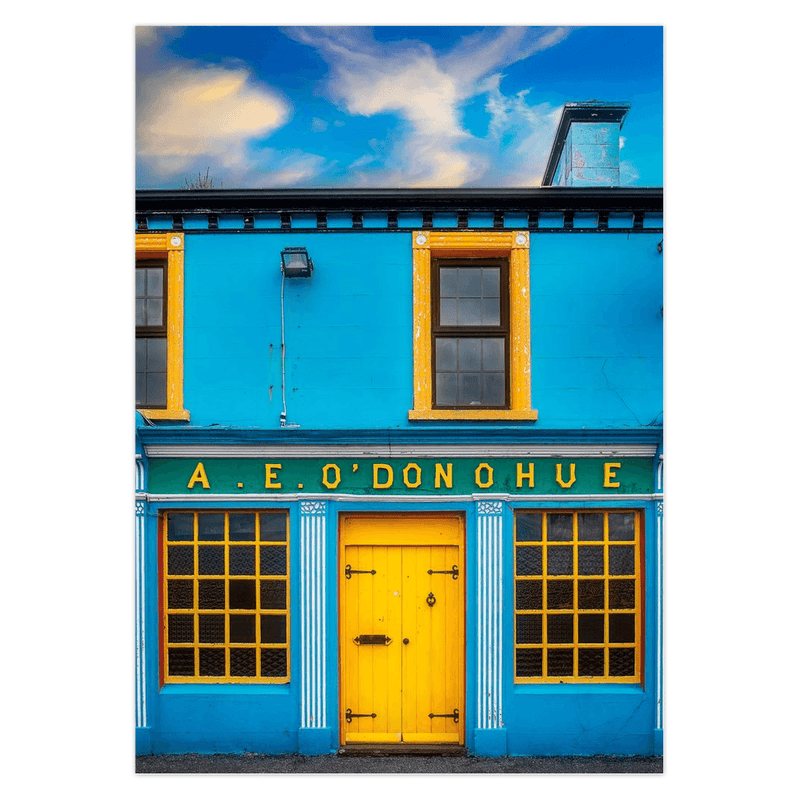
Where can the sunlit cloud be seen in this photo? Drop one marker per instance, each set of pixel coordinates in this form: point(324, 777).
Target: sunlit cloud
point(428, 91)
point(212, 112)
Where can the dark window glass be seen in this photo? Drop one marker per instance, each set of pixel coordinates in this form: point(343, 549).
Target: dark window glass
point(529, 527)
point(529, 595)
point(273, 527)
point(591, 594)
point(621, 559)
point(243, 628)
point(180, 594)
point(590, 560)
point(180, 560)
point(180, 527)
point(559, 662)
point(242, 594)
point(243, 662)
point(180, 628)
point(273, 663)
point(470, 371)
point(212, 662)
point(469, 296)
point(211, 594)
point(559, 560)
point(529, 560)
point(273, 594)
point(622, 628)
point(591, 628)
point(529, 663)
point(621, 527)
point(273, 629)
point(211, 527)
point(242, 560)
point(559, 527)
point(591, 662)
point(151, 372)
point(559, 628)
point(622, 594)
point(211, 560)
point(590, 527)
point(242, 527)
point(180, 661)
point(529, 629)
point(273, 560)
point(559, 594)
point(212, 629)
point(621, 661)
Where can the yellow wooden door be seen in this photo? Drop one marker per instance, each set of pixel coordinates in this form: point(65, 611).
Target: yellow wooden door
point(402, 629)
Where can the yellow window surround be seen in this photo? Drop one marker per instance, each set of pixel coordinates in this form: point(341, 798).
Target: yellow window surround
point(159, 245)
point(514, 245)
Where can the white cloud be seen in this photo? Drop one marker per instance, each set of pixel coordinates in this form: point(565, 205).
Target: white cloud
point(428, 92)
point(318, 125)
point(213, 113)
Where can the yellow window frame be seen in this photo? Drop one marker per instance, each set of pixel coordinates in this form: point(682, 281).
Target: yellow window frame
point(514, 245)
point(226, 612)
point(573, 613)
point(169, 246)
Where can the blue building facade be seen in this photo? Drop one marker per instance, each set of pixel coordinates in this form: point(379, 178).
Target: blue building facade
point(469, 376)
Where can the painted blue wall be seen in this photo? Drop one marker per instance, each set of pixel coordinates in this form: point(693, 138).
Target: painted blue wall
point(596, 330)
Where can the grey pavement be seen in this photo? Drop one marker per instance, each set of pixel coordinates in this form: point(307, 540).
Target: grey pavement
point(388, 765)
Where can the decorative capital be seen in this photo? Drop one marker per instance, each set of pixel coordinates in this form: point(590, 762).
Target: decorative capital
point(139, 508)
point(660, 509)
point(313, 507)
point(490, 507)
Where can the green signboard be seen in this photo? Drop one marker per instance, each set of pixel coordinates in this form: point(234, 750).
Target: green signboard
point(430, 476)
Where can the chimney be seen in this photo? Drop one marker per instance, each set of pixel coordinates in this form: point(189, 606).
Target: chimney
point(586, 148)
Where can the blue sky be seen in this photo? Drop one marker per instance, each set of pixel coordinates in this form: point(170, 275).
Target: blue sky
point(384, 106)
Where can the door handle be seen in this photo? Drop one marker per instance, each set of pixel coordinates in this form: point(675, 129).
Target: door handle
point(405, 641)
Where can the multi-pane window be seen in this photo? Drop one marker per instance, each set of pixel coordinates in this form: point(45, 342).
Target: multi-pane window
point(470, 333)
point(577, 596)
point(226, 590)
point(151, 334)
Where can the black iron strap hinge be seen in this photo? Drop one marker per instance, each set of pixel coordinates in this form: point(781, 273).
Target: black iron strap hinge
point(453, 716)
point(348, 571)
point(453, 572)
point(348, 715)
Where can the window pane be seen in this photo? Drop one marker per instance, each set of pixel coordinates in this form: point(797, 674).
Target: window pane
point(621, 559)
point(469, 354)
point(591, 661)
point(591, 628)
point(180, 560)
point(469, 389)
point(559, 527)
point(469, 311)
point(140, 282)
point(273, 594)
point(273, 629)
point(559, 662)
point(180, 527)
point(491, 281)
point(622, 628)
point(591, 594)
point(242, 527)
point(242, 560)
point(243, 628)
point(529, 528)
point(180, 594)
point(529, 560)
point(141, 389)
point(494, 388)
point(141, 313)
point(273, 663)
point(155, 312)
point(621, 527)
point(212, 629)
point(273, 560)
point(446, 354)
point(559, 560)
point(446, 388)
point(156, 389)
point(243, 662)
point(212, 662)
point(211, 594)
point(180, 661)
point(448, 311)
point(210, 560)
point(590, 560)
point(559, 628)
point(590, 527)
point(529, 595)
point(529, 663)
point(490, 311)
point(494, 354)
point(155, 282)
point(621, 661)
point(180, 628)
point(242, 594)
point(469, 282)
point(559, 594)
point(211, 527)
point(273, 527)
point(529, 629)
point(448, 282)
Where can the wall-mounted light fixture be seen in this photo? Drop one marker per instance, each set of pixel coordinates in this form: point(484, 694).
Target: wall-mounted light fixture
point(296, 263)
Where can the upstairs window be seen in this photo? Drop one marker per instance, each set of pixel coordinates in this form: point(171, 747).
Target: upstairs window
point(471, 327)
point(470, 333)
point(151, 334)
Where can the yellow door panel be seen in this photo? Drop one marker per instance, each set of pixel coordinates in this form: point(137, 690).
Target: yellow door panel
point(402, 628)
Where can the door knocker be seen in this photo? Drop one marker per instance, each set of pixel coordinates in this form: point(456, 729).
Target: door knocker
point(430, 599)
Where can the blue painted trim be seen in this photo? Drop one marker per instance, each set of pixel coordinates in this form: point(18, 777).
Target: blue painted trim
point(315, 741)
point(196, 689)
point(491, 742)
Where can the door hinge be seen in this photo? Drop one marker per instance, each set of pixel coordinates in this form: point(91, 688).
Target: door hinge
point(348, 571)
point(348, 715)
point(453, 716)
point(453, 572)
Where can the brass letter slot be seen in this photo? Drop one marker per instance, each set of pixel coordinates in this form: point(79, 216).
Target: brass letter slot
point(372, 638)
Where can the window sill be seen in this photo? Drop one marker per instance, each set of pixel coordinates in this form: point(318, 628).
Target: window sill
point(165, 413)
point(469, 413)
